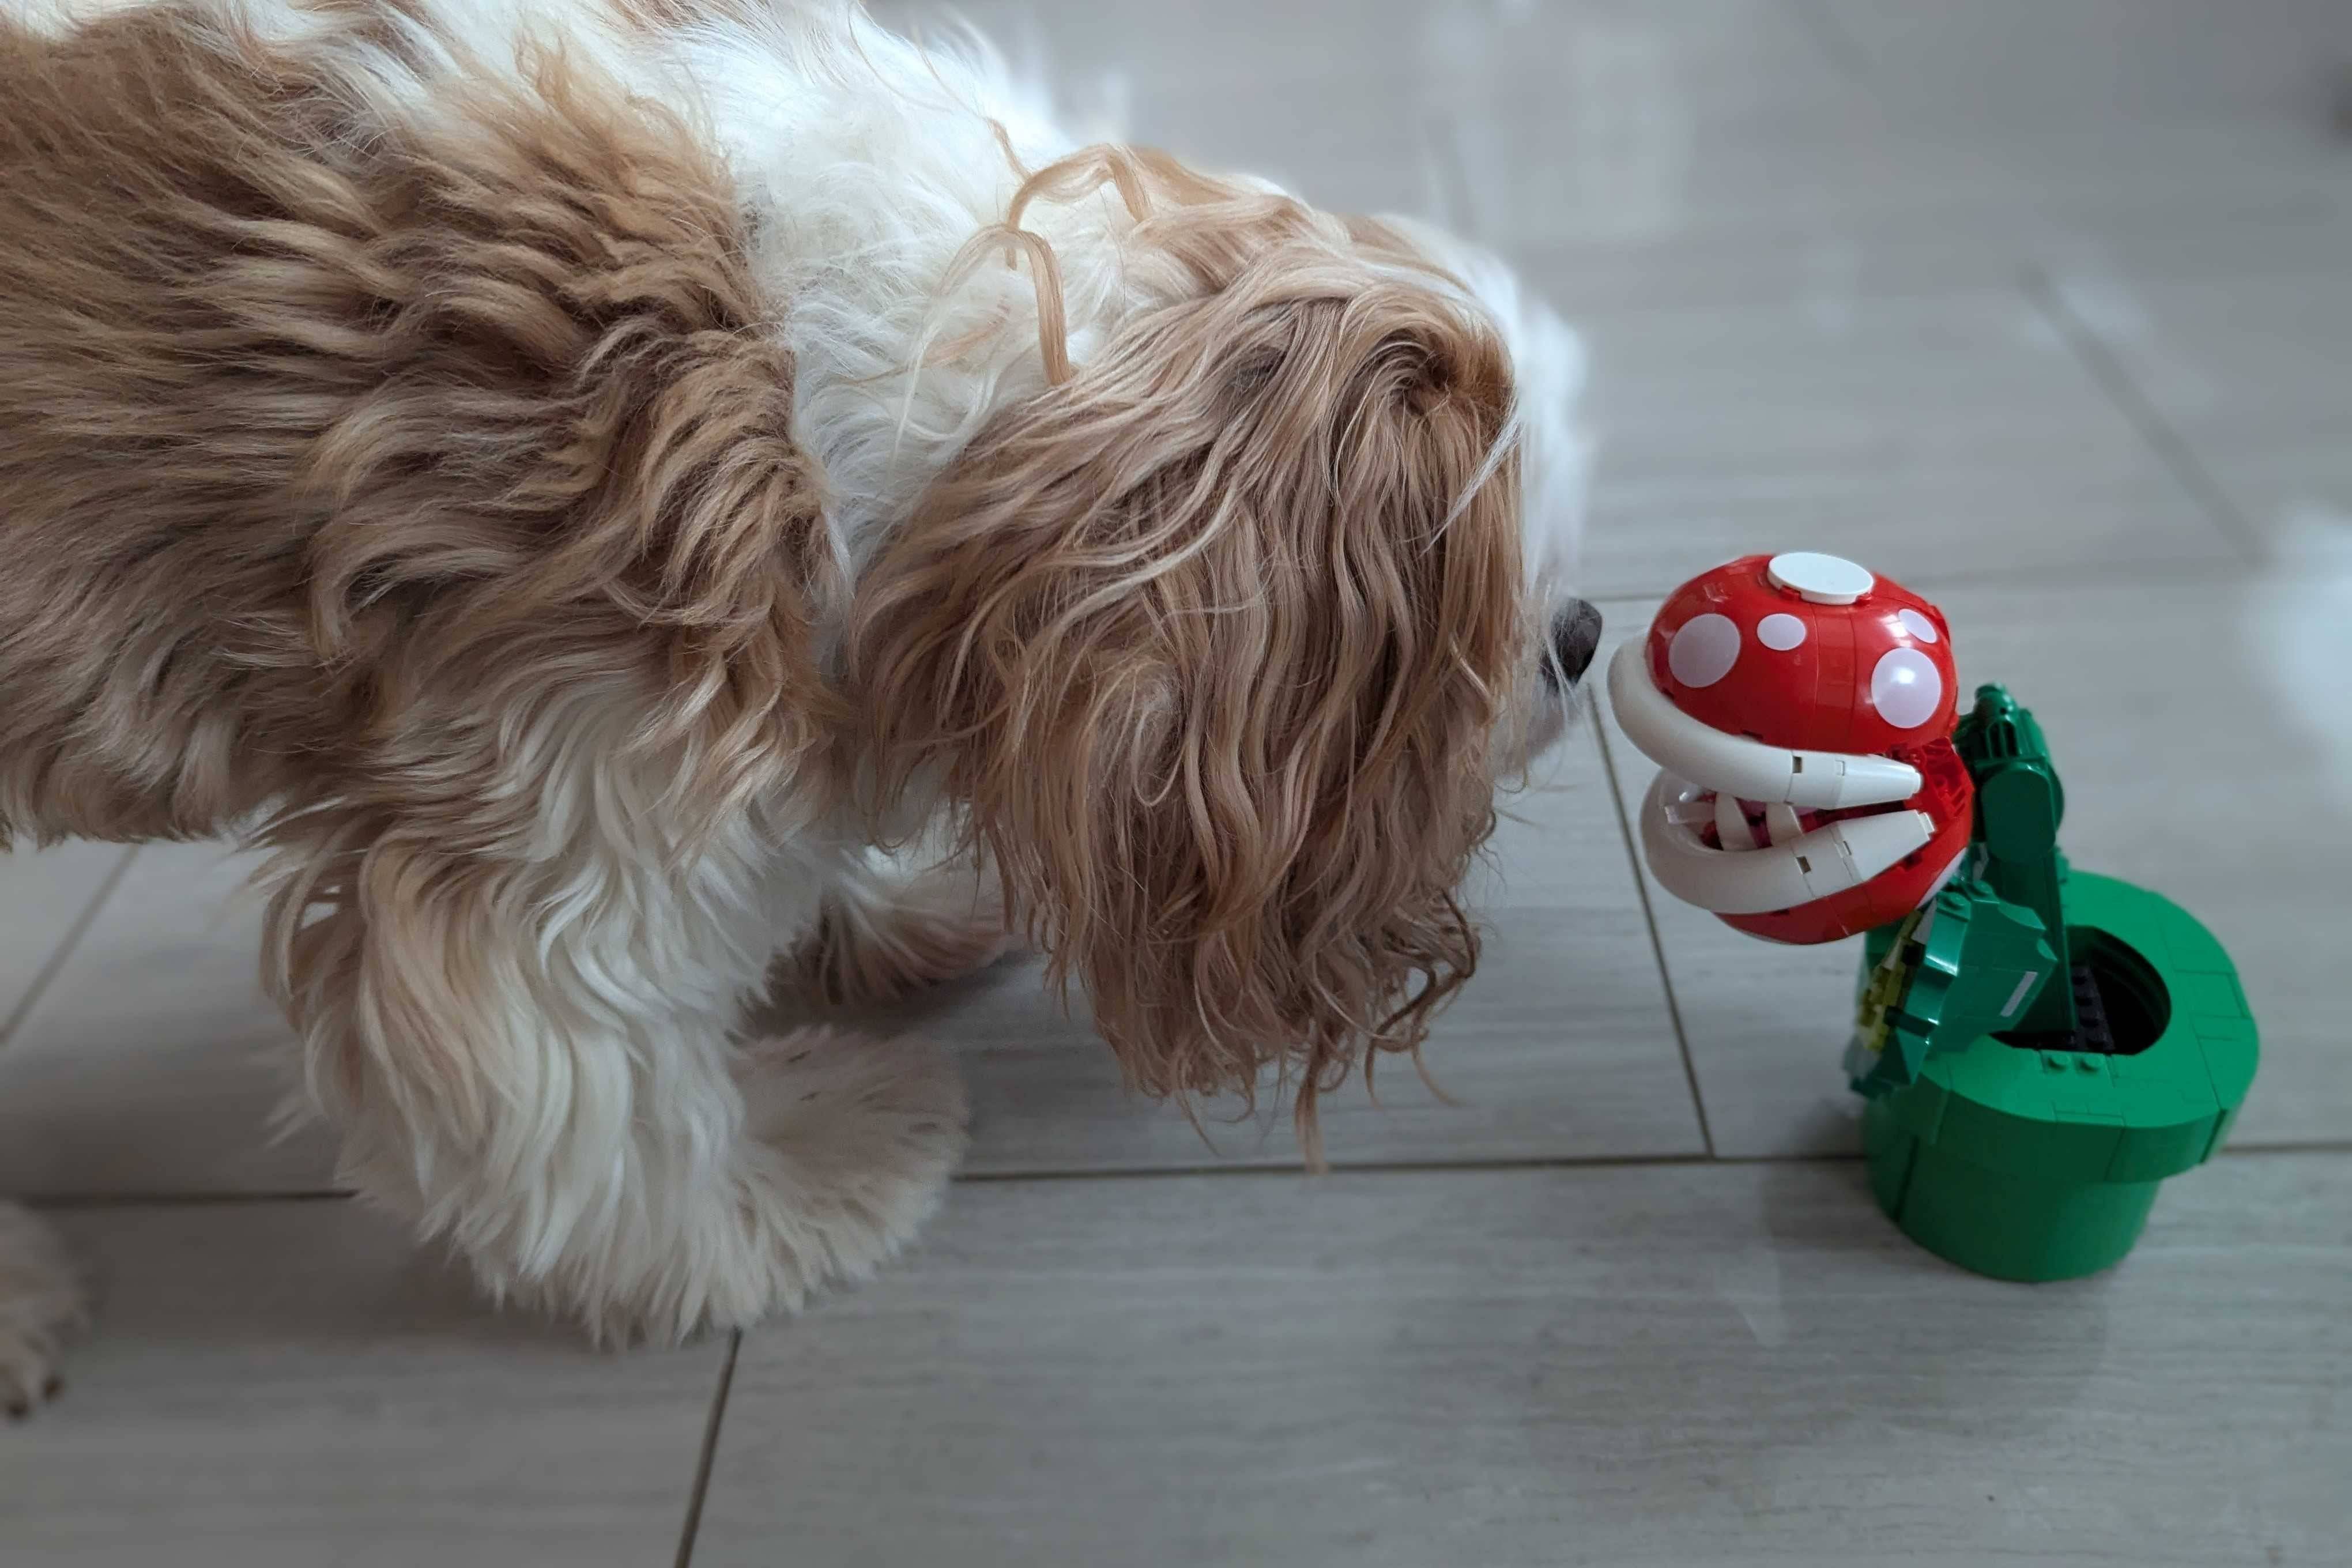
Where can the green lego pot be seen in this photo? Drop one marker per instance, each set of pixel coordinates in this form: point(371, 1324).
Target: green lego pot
point(2021, 1162)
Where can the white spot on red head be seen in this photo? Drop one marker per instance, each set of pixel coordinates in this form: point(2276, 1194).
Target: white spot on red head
point(1704, 649)
point(1781, 632)
point(1906, 688)
point(1918, 625)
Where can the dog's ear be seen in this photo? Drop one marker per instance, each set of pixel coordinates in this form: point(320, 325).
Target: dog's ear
point(1209, 644)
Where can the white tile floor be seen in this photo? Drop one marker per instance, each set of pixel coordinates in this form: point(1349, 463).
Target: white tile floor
point(2042, 305)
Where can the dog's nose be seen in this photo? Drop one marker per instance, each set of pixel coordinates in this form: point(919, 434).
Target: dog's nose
point(1575, 637)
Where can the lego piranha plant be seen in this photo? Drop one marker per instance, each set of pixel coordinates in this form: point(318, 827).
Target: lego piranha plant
point(2038, 1047)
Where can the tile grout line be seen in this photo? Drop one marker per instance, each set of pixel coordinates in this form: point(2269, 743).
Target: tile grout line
point(1649, 918)
point(2291, 1148)
point(1412, 1167)
point(2287, 1146)
point(1545, 1163)
point(75, 930)
point(2123, 391)
point(692, 1526)
point(86, 1203)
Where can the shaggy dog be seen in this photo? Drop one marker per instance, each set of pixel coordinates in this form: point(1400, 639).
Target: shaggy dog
point(585, 481)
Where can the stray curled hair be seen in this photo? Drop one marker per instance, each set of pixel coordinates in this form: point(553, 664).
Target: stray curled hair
point(1210, 640)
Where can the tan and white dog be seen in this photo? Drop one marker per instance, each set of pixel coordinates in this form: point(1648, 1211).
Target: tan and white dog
point(586, 480)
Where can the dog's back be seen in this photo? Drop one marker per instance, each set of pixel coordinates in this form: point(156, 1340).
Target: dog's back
point(318, 425)
point(150, 607)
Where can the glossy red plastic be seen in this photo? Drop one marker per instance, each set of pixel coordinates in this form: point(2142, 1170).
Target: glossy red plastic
point(1872, 677)
point(1818, 693)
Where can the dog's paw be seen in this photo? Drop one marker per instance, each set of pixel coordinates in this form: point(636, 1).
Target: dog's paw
point(867, 951)
point(847, 1142)
point(40, 1300)
point(858, 1135)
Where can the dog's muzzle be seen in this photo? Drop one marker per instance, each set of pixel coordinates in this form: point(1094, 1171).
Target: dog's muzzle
point(1575, 638)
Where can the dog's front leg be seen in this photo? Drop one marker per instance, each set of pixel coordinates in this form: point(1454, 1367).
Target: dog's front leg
point(890, 928)
point(40, 1297)
point(538, 1062)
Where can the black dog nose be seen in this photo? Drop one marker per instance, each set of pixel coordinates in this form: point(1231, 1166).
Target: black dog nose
point(1575, 637)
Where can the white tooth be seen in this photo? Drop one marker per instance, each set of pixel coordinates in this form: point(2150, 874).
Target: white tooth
point(1690, 802)
point(1736, 765)
point(1830, 860)
point(1731, 827)
point(1867, 781)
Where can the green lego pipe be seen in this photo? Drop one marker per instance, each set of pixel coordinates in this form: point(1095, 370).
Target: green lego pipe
point(2010, 1134)
point(2027, 1164)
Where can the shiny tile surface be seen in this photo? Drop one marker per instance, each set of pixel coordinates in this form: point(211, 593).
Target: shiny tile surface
point(1711, 1364)
point(2249, 375)
point(2026, 66)
point(151, 1063)
point(292, 1384)
point(1940, 437)
point(45, 895)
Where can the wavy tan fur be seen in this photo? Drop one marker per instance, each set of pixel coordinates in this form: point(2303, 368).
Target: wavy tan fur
point(1211, 643)
point(581, 480)
point(345, 425)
